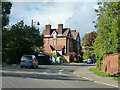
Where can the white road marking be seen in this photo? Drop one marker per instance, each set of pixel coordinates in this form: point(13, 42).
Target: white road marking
point(60, 71)
point(45, 72)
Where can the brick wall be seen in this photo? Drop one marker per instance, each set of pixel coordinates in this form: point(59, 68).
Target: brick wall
point(110, 63)
point(58, 41)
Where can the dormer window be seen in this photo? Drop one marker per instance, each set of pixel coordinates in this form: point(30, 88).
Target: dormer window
point(54, 34)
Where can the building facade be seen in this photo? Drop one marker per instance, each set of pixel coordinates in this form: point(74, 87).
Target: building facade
point(63, 40)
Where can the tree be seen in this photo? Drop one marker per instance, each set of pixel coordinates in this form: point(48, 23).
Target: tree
point(88, 53)
point(108, 30)
point(84, 39)
point(18, 40)
point(87, 42)
point(6, 6)
point(89, 39)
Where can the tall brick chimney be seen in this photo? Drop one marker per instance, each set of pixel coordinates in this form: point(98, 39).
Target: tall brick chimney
point(48, 29)
point(60, 28)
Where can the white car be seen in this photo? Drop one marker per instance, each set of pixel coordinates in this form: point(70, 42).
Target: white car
point(89, 61)
point(85, 61)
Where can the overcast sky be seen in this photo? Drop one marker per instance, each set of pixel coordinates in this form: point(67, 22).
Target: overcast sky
point(75, 15)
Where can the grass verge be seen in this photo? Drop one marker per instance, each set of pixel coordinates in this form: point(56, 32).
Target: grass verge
point(98, 72)
point(103, 74)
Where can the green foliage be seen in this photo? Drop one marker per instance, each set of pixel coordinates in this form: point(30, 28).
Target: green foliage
point(84, 39)
point(98, 72)
point(89, 39)
point(54, 54)
point(108, 30)
point(87, 42)
point(119, 59)
point(6, 6)
point(62, 58)
point(18, 40)
point(103, 74)
point(81, 55)
point(88, 53)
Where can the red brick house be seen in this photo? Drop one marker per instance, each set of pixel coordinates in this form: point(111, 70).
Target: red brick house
point(63, 40)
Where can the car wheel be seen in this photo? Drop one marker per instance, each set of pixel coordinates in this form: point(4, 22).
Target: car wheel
point(33, 67)
point(21, 66)
point(37, 66)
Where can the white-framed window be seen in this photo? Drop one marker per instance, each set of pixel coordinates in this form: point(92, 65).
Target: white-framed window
point(53, 42)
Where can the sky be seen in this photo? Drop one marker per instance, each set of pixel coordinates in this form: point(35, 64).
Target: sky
point(76, 15)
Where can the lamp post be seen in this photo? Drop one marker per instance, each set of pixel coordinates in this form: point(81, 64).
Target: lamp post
point(35, 22)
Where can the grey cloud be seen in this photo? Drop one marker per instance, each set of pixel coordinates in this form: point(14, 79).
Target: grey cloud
point(77, 16)
point(82, 18)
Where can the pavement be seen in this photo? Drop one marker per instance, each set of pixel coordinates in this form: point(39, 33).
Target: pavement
point(86, 74)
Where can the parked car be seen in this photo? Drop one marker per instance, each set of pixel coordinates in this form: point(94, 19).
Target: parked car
point(85, 61)
point(29, 61)
point(89, 61)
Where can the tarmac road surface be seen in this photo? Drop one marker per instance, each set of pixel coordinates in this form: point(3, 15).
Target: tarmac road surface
point(46, 76)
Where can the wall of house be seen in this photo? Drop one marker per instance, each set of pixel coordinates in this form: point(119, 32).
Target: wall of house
point(61, 41)
point(58, 41)
point(46, 40)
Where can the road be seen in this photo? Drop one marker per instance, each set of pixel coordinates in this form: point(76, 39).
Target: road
point(46, 76)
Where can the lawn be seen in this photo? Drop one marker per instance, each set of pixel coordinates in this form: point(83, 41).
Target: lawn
point(100, 73)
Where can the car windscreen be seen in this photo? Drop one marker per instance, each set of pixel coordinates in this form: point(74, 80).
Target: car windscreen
point(26, 58)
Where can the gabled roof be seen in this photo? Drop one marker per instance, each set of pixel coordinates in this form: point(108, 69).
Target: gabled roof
point(48, 49)
point(75, 35)
point(66, 32)
point(58, 47)
point(45, 32)
point(54, 31)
